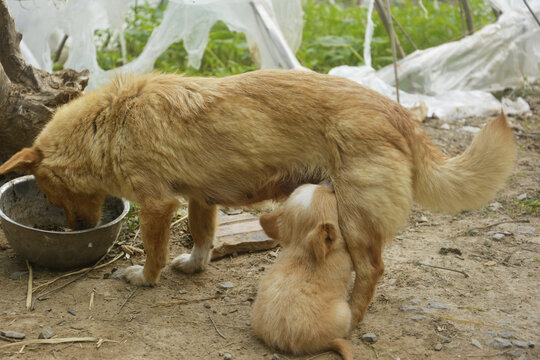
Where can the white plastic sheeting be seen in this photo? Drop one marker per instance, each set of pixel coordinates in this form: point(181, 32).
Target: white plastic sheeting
point(42, 22)
point(452, 79)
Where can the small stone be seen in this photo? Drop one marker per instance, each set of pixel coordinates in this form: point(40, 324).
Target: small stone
point(487, 243)
point(495, 206)
point(226, 285)
point(71, 312)
point(262, 268)
point(445, 126)
point(490, 263)
point(520, 344)
point(227, 356)
point(370, 338)
point(516, 353)
point(522, 197)
point(423, 219)
point(437, 305)
point(438, 347)
point(18, 275)
point(392, 281)
point(499, 343)
point(526, 230)
point(474, 232)
point(415, 301)
point(477, 343)
point(506, 334)
point(498, 237)
point(46, 333)
point(531, 344)
point(275, 357)
point(471, 129)
point(417, 317)
point(13, 335)
point(207, 305)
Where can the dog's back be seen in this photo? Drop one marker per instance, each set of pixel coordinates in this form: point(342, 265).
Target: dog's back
point(301, 306)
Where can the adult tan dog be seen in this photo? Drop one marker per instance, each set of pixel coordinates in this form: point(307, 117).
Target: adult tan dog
point(246, 138)
point(301, 306)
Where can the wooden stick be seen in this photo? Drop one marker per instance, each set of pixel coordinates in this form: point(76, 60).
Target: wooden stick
point(29, 290)
point(50, 341)
point(444, 268)
point(183, 302)
point(215, 327)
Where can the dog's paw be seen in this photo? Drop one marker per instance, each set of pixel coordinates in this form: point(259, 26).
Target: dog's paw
point(133, 275)
point(191, 263)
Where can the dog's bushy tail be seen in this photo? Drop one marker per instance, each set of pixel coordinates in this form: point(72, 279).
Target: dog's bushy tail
point(469, 180)
point(342, 347)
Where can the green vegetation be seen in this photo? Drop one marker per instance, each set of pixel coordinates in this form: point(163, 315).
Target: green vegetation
point(333, 35)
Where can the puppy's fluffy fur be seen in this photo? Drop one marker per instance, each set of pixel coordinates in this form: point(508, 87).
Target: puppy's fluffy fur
point(301, 305)
point(242, 139)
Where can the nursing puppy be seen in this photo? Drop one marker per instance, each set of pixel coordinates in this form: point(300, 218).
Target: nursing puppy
point(301, 306)
point(246, 138)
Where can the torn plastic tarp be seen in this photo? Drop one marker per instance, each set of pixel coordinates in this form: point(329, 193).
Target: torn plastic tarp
point(453, 79)
point(189, 20)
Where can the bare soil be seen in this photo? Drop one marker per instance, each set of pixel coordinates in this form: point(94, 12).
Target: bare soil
point(490, 287)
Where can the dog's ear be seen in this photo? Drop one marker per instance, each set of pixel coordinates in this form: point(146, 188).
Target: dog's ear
point(321, 240)
point(269, 223)
point(24, 160)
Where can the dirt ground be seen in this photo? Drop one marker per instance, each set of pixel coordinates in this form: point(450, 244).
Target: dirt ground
point(487, 310)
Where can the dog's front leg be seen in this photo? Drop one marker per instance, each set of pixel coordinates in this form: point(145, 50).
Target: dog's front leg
point(155, 220)
point(202, 225)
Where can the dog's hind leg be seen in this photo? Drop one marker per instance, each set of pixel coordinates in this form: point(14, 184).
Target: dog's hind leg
point(202, 225)
point(155, 219)
point(374, 197)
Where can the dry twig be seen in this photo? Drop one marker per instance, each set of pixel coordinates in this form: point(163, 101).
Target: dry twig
point(215, 327)
point(50, 341)
point(86, 271)
point(464, 321)
point(127, 299)
point(29, 291)
point(444, 268)
point(179, 221)
point(91, 304)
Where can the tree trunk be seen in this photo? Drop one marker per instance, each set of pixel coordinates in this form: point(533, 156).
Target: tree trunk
point(468, 15)
point(28, 96)
point(387, 22)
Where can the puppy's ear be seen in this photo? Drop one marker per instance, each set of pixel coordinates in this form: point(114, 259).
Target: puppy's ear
point(269, 224)
point(321, 240)
point(24, 160)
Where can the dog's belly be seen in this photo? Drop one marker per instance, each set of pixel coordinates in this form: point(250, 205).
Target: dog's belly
point(234, 194)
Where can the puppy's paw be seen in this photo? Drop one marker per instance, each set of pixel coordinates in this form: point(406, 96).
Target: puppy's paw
point(133, 275)
point(191, 263)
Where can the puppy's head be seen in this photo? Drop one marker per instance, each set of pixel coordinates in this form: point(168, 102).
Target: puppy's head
point(82, 210)
point(308, 221)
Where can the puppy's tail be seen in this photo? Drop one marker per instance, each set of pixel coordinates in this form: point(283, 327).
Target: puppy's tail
point(466, 181)
point(342, 347)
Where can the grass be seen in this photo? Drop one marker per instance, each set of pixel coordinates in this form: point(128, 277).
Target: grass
point(333, 35)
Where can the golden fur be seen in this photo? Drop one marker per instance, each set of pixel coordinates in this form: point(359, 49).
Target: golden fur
point(301, 306)
point(242, 139)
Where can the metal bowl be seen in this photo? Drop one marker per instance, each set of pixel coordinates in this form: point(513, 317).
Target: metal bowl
point(23, 207)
